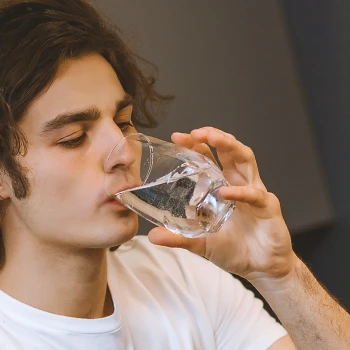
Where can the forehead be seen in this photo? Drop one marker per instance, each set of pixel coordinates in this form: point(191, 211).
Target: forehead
point(79, 84)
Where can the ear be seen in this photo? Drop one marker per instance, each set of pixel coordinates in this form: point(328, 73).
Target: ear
point(5, 188)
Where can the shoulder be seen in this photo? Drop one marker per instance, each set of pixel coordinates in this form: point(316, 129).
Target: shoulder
point(139, 253)
point(177, 266)
point(174, 274)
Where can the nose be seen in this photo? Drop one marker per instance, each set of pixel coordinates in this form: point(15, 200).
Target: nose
point(122, 155)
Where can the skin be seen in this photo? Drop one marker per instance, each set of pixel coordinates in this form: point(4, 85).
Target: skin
point(40, 234)
point(255, 244)
point(42, 239)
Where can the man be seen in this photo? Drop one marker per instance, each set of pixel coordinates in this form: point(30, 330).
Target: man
point(70, 89)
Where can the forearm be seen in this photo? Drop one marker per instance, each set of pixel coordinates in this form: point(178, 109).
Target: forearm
point(313, 319)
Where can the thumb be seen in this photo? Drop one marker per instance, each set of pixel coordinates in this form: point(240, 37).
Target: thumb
point(163, 237)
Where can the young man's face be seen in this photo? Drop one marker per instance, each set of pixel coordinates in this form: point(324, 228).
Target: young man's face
point(67, 203)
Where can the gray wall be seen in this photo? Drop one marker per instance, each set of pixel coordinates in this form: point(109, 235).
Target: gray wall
point(230, 65)
point(320, 33)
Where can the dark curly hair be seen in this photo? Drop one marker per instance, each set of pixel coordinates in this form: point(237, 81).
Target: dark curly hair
point(36, 36)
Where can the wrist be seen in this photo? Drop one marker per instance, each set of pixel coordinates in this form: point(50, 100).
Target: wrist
point(267, 283)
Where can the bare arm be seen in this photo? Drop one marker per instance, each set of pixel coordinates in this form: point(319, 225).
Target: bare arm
point(313, 319)
point(255, 243)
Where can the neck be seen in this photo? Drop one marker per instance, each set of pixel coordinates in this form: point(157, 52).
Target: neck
point(56, 280)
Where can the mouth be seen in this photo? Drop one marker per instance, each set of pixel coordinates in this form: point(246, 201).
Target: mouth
point(116, 204)
point(112, 200)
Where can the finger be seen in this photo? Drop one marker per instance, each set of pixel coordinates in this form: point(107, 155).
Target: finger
point(233, 154)
point(225, 143)
point(186, 140)
point(182, 139)
point(161, 236)
point(255, 197)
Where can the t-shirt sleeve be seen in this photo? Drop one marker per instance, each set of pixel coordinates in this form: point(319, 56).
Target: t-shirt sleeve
point(243, 319)
point(238, 317)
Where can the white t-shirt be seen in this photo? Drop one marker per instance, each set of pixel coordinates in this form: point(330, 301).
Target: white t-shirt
point(165, 299)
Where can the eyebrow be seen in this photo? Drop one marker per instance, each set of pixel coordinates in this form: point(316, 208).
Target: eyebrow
point(90, 114)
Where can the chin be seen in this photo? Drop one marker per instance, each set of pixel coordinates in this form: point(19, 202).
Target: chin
point(116, 233)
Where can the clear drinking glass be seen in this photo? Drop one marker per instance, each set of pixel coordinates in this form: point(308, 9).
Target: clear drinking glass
point(168, 185)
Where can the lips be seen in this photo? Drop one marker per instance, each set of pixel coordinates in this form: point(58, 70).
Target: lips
point(112, 199)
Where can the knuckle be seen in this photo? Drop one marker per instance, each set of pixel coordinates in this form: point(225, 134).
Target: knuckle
point(229, 135)
point(274, 200)
point(249, 153)
point(209, 128)
point(251, 192)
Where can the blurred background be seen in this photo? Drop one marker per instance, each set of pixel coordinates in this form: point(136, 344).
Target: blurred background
point(276, 75)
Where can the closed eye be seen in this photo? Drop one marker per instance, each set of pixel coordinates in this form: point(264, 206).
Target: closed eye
point(73, 143)
point(76, 142)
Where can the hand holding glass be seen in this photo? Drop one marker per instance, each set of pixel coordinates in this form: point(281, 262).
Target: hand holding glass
point(168, 185)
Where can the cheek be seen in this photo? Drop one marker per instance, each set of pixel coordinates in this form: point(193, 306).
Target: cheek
point(60, 179)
